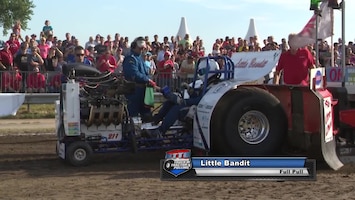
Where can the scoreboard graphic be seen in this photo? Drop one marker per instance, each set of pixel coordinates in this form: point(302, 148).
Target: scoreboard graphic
point(179, 165)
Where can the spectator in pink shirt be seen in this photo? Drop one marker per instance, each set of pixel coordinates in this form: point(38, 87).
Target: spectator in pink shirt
point(43, 48)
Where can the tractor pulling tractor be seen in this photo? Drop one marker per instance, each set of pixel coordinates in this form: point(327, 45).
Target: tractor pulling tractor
point(235, 117)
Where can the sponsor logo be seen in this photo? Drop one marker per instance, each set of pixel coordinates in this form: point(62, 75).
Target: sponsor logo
point(318, 78)
point(177, 161)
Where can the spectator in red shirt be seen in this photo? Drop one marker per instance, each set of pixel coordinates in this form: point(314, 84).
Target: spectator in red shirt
point(5, 81)
point(16, 80)
point(107, 62)
point(14, 43)
point(6, 58)
point(165, 69)
point(55, 83)
point(36, 82)
point(295, 64)
point(11, 81)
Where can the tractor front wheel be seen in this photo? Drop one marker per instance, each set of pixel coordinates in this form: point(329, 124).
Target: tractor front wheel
point(79, 153)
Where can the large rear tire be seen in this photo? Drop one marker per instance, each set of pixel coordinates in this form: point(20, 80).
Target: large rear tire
point(79, 153)
point(256, 124)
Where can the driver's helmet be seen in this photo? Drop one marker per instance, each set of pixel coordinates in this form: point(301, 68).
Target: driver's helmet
point(203, 68)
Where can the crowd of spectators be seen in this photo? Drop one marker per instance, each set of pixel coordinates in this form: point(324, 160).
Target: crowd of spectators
point(33, 63)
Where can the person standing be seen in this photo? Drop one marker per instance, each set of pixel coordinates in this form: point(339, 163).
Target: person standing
point(6, 58)
point(22, 62)
point(14, 43)
point(35, 59)
point(119, 60)
point(106, 62)
point(36, 81)
point(165, 70)
point(134, 69)
point(79, 53)
point(187, 68)
point(16, 29)
point(295, 64)
point(43, 48)
point(11, 81)
point(149, 62)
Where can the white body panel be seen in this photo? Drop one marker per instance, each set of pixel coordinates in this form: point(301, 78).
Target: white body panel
point(205, 109)
point(71, 109)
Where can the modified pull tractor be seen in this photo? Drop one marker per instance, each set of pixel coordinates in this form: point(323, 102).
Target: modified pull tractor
point(92, 117)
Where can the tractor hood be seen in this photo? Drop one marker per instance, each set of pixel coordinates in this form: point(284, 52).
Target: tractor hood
point(252, 67)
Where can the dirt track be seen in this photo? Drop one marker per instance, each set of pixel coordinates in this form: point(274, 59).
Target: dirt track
point(19, 126)
point(29, 169)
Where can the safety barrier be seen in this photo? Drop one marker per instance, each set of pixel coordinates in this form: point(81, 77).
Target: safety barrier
point(49, 82)
point(13, 101)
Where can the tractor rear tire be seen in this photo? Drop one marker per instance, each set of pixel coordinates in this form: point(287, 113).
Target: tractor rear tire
point(78, 153)
point(256, 124)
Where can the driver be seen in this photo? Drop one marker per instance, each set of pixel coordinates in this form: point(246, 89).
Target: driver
point(174, 108)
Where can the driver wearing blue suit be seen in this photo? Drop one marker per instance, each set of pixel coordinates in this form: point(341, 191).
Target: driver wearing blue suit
point(174, 108)
point(135, 70)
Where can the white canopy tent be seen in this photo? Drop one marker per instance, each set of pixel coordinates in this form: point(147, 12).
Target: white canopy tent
point(251, 30)
point(183, 29)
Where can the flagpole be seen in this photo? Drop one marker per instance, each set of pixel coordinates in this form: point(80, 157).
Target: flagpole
point(332, 59)
point(317, 13)
point(343, 41)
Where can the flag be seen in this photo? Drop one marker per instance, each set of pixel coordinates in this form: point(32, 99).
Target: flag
point(308, 33)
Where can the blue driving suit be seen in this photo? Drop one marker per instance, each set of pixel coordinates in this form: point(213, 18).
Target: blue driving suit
point(134, 69)
point(171, 111)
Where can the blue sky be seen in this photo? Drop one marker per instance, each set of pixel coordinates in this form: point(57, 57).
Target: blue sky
point(209, 19)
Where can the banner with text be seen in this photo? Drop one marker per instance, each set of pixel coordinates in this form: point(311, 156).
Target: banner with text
point(335, 78)
point(252, 66)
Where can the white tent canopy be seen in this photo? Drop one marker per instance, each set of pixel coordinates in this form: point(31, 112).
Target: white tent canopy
point(251, 30)
point(183, 29)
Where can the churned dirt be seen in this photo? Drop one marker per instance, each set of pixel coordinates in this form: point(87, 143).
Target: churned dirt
point(30, 169)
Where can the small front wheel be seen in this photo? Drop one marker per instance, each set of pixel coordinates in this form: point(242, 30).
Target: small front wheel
point(79, 153)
